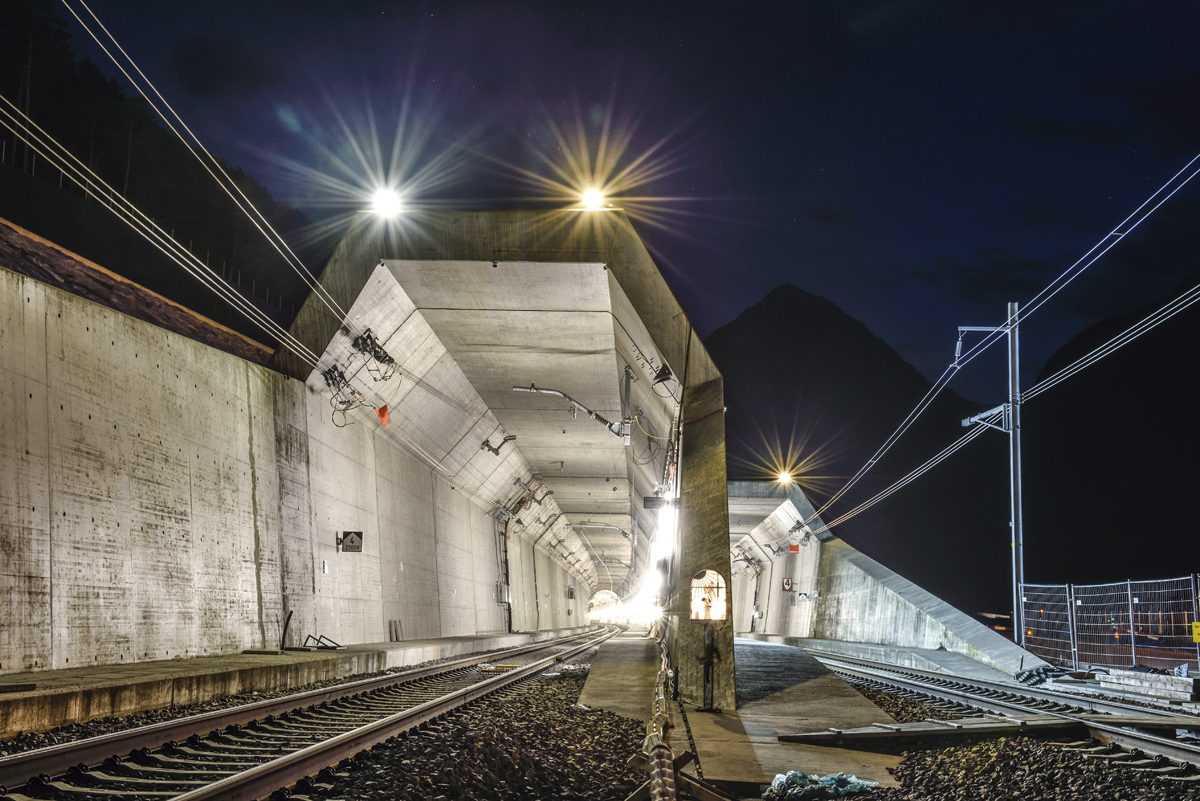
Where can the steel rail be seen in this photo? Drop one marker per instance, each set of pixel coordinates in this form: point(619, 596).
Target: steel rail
point(1126, 738)
point(264, 779)
point(1098, 705)
point(16, 769)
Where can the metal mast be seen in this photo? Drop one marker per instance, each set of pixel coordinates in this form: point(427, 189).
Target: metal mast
point(1012, 426)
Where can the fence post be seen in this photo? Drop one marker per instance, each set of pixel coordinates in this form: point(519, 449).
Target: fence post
point(1072, 631)
point(1196, 610)
point(1132, 638)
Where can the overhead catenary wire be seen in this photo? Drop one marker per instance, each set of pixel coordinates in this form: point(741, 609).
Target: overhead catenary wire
point(56, 154)
point(1164, 193)
point(1144, 325)
point(210, 163)
point(62, 159)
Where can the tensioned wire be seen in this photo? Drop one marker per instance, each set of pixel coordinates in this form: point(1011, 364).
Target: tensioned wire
point(1147, 323)
point(62, 159)
point(239, 198)
point(1143, 326)
point(45, 146)
point(1136, 218)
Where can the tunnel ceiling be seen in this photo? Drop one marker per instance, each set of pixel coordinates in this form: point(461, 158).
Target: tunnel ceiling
point(463, 334)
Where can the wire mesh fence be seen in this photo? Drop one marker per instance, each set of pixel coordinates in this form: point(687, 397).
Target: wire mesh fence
point(1116, 625)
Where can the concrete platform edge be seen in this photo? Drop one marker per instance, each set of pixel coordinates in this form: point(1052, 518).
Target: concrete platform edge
point(177, 683)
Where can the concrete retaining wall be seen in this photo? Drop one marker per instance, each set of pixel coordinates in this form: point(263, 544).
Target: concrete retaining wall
point(858, 600)
point(159, 498)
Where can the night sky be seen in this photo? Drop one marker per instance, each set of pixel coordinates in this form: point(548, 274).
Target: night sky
point(917, 162)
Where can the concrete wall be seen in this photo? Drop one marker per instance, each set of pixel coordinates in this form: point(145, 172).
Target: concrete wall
point(858, 600)
point(159, 498)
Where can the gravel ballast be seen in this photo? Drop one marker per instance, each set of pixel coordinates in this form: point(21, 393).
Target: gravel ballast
point(531, 741)
point(1027, 769)
point(94, 728)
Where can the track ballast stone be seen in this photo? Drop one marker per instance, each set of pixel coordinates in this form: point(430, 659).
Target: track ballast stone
point(72, 732)
point(1023, 768)
point(532, 741)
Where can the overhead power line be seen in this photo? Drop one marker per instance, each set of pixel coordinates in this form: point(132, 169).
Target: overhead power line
point(210, 163)
point(1146, 324)
point(1139, 215)
point(58, 155)
point(1133, 332)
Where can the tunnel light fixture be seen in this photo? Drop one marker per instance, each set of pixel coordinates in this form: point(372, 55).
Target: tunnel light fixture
point(386, 203)
point(592, 199)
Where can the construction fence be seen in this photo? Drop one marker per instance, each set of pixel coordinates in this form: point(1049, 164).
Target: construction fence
point(1114, 625)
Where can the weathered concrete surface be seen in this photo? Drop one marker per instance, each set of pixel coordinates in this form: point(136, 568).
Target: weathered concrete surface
point(704, 545)
point(863, 601)
point(623, 674)
point(80, 694)
point(516, 298)
point(783, 690)
point(839, 595)
point(29, 254)
point(159, 498)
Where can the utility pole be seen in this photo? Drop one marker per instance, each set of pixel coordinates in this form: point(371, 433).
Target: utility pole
point(1011, 425)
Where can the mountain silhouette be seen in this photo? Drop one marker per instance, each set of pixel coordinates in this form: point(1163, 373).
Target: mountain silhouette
point(802, 375)
point(1109, 455)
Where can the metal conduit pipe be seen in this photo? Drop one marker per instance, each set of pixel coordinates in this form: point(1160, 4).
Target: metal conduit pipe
point(594, 524)
point(614, 428)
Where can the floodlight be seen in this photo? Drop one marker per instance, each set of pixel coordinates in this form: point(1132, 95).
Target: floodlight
point(593, 199)
point(386, 203)
point(785, 478)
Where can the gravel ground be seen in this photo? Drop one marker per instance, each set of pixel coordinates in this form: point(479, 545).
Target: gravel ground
point(904, 710)
point(532, 741)
point(95, 728)
point(1026, 769)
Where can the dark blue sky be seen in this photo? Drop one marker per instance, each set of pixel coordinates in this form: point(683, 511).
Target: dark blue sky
point(918, 162)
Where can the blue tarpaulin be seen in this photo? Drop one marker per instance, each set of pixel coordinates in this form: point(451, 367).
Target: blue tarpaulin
point(797, 786)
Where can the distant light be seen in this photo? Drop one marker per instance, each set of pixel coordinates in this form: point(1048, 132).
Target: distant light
point(785, 478)
point(593, 199)
point(386, 203)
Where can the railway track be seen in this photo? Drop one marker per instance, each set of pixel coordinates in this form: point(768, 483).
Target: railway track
point(1158, 733)
point(255, 750)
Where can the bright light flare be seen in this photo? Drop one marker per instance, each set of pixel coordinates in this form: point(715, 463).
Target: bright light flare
point(593, 199)
point(785, 478)
point(664, 535)
point(386, 203)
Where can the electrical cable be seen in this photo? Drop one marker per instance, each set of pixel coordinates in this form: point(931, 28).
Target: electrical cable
point(129, 213)
point(1146, 324)
point(1131, 222)
point(61, 158)
point(951, 449)
point(612, 584)
point(244, 204)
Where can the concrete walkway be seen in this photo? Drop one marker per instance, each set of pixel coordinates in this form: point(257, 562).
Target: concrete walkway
point(780, 690)
point(623, 674)
point(783, 690)
point(76, 695)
